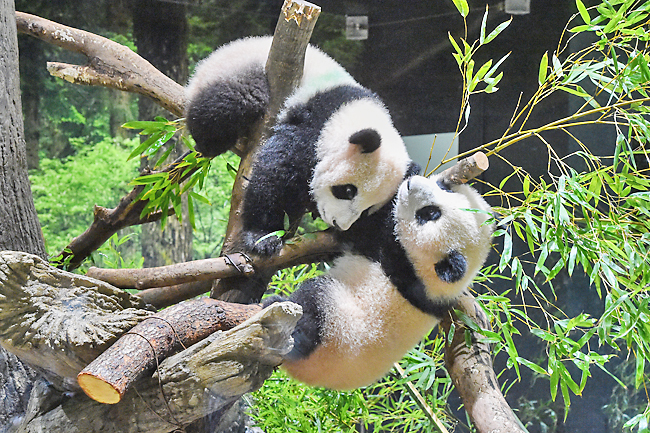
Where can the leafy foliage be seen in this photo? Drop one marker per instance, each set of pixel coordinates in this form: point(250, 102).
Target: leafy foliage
point(590, 214)
point(65, 191)
point(163, 189)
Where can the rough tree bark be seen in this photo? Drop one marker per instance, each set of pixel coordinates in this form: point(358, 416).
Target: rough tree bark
point(19, 227)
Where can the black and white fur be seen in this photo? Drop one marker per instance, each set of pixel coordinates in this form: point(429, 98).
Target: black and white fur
point(334, 149)
point(406, 266)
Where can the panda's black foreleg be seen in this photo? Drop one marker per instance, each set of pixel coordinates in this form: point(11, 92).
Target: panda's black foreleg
point(307, 333)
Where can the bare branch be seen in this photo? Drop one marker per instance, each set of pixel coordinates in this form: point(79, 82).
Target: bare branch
point(466, 169)
point(315, 247)
point(109, 64)
point(197, 270)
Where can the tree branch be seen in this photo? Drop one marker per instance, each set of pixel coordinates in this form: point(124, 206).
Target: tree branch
point(316, 247)
point(109, 64)
point(472, 373)
point(284, 70)
point(107, 222)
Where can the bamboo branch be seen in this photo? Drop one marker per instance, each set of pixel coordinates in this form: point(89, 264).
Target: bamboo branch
point(109, 64)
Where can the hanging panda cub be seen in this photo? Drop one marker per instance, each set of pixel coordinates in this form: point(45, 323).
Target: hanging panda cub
point(405, 267)
point(334, 149)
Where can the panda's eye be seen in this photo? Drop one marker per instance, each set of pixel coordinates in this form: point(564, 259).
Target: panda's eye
point(444, 185)
point(427, 213)
point(344, 192)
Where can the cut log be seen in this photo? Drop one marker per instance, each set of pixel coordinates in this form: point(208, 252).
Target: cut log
point(137, 353)
point(466, 169)
point(57, 321)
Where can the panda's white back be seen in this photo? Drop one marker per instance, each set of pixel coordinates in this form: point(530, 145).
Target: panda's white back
point(367, 327)
point(320, 72)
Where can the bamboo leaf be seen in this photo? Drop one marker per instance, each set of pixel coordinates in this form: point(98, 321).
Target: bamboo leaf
point(494, 33)
point(455, 45)
point(543, 68)
point(583, 12)
point(462, 6)
point(483, 24)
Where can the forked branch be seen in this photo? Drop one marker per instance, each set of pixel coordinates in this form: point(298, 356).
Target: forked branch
point(109, 64)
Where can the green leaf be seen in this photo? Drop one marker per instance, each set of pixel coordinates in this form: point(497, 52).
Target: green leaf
point(455, 45)
point(491, 88)
point(190, 212)
point(494, 33)
point(462, 6)
point(507, 251)
point(536, 368)
point(483, 70)
point(583, 12)
point(483, 24)
point(149, 178)
point(640, 368)
point(557, 66)
point(543, 69)
point(199, 197)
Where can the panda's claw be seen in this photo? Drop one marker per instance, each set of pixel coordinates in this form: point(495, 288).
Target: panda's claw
point(256, 243)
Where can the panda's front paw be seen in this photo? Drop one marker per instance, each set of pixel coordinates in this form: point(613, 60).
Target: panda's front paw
point(272, 300)
point(262, 244)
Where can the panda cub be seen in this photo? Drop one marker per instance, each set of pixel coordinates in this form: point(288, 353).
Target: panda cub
point(405, 267)
point(334, 149)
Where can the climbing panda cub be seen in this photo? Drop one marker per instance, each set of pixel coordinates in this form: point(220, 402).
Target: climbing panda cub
point(404, 268)
point(334, 149)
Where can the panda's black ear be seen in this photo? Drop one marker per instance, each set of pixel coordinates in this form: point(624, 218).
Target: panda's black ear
point(367, 139)
point(452, 268)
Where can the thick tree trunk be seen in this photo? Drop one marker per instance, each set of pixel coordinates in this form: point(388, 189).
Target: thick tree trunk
point(19, 227)
point(160, 31)
point(31, 82)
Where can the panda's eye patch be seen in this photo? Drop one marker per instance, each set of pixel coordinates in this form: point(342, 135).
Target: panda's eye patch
point(444, 185)
point(427, 213)
point(344, 192)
